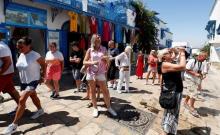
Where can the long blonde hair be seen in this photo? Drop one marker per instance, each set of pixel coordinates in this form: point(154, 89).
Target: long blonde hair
point(93, 40)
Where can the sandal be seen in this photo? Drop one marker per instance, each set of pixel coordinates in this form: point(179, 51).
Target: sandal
point(89, 105)
point(186, 106)
point(195, 113)
point(85, 98)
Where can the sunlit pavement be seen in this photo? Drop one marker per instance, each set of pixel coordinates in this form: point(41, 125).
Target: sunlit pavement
point(69, 114)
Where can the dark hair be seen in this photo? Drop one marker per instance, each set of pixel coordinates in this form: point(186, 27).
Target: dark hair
point(25, 40)
point(74, 44)
point(54, 43)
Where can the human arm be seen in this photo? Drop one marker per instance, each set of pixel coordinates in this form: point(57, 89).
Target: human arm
point(170, 67)
point(117, 59)
point(42, 63)
point(6, 64)
point(87, 60)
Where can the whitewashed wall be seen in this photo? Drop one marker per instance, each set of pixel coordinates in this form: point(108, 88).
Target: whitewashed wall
point(59, 20)
point(215, 15)
point(2, 18)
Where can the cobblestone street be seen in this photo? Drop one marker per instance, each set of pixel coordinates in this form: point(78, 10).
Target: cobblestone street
point(69, 115)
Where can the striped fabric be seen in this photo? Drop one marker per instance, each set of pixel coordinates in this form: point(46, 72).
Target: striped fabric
point(170, 118)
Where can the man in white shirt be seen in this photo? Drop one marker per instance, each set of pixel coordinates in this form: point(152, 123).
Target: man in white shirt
point(6, 73)
point(122, 61)
point(195, 73)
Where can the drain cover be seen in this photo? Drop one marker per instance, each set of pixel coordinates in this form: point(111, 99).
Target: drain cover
point(137, 120)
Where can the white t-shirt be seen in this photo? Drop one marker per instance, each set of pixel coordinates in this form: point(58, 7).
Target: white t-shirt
point(54, 56)
point(29, 68)
point(195, 66)
point(4, 52)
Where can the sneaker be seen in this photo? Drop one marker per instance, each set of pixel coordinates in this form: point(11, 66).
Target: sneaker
point(1, 99)
point(89, 105)
point(115, 86)
point(194, 113)
point(95, 113)
point(37, 114)
point(52, 94)
point(119, 91)
point(111, 86)
point(56, 96)
point(10, 129)
point(112, 112)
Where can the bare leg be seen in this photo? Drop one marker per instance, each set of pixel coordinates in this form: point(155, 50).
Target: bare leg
point(49, 85)
point(191, 103)
point(148, 74)
point(56, 86)
point(36, 100)
point(154, 76)
point(105, 93)
point(78, 82)
point(92, 86)
point(15, 95)
point(21, 105)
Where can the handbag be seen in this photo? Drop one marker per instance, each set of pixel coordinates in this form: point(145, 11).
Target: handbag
point(168, 97)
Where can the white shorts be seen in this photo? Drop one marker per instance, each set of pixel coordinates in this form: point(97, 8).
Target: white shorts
point(152, 69)
point(192, 88)
point(100, 77)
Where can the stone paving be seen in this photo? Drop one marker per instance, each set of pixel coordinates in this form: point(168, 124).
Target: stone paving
point(69, 115)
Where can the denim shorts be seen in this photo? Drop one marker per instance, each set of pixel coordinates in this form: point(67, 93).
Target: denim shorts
point(30, 86)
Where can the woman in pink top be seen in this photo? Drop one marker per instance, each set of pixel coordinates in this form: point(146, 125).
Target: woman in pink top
point(96, 59)
point(54, 60)
point(152, 68)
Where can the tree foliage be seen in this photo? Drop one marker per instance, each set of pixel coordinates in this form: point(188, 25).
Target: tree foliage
point(206, 49)
point(147, 33)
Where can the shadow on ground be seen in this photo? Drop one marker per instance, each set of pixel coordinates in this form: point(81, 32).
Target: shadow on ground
point(60, 117)
point(195, 131)
point(205, 111)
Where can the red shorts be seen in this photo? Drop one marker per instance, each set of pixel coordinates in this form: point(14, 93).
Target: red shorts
point(6, 83)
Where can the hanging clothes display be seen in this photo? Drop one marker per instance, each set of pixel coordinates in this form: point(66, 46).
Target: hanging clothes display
point(128, 36)
point(93, 25)
point(100, 26)
point(82, 24)
point(73, 21)
point(106, 31)
point(82, 43)
point(118, 34)
point(133, 36)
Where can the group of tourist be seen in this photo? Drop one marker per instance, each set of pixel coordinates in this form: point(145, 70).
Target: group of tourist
point(100, 65)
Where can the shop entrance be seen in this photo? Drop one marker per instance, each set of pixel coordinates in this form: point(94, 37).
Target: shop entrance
point(38, 37)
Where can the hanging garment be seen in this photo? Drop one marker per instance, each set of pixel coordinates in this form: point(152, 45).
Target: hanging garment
point(93, 25)
point(100, 26)
point(82, 43)
point(106, 31)
point(82, 24)
point(73, 21)
point(118, 34)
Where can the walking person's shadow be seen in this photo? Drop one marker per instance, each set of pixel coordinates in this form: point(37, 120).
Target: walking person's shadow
point(60, 117)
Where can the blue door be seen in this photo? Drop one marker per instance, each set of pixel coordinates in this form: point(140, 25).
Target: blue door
point(64, 48)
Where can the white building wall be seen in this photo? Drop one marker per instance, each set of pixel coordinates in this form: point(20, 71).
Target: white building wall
point(168, 35)
point(2, 18)
point(59, 20)
point(215, 15)
point(215, 42)
point(213, 55)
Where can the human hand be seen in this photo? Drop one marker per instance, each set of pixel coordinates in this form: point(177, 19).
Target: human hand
point(95, 63)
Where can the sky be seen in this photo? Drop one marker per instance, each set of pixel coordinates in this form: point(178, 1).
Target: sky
point(186, 19)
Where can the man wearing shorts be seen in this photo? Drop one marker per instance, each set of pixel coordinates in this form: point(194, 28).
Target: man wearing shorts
point(6, 73)
point(76, 60)
point(195, 69)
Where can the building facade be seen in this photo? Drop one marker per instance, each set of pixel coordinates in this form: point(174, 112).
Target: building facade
point(213, 28)
point(165, 37)
point(66, 21)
